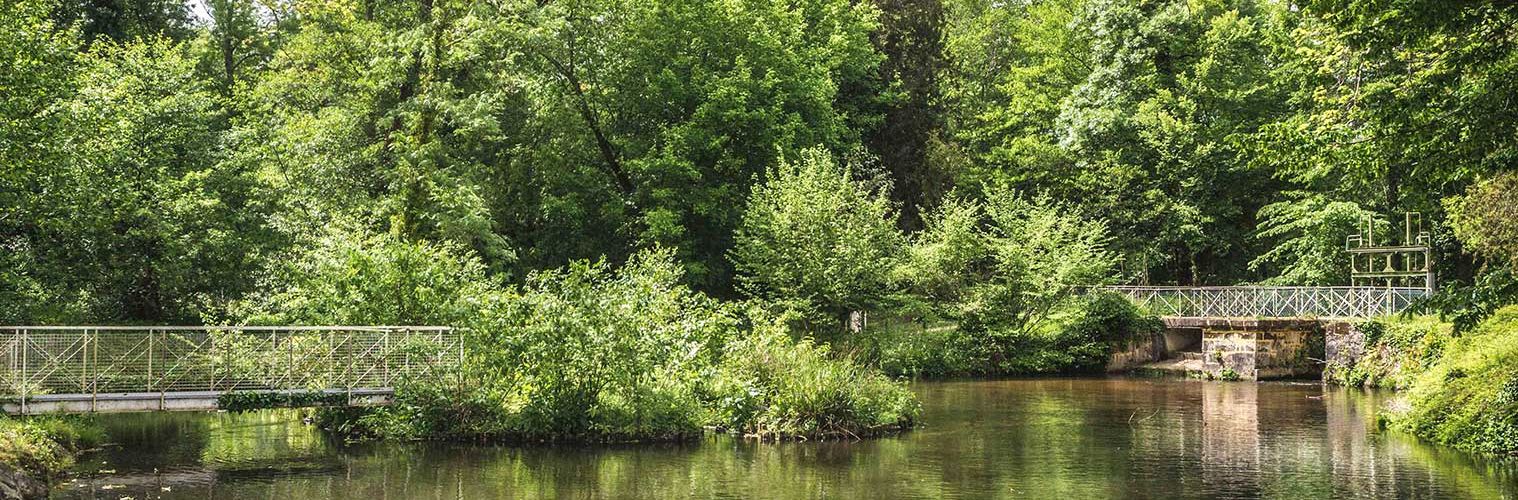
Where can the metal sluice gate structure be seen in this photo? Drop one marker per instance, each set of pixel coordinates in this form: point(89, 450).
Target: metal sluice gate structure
point(74, 369)
point(1272, 301)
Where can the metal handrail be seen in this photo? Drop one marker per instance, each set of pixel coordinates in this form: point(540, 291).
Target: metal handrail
point(1273, 301)
point(92, 360)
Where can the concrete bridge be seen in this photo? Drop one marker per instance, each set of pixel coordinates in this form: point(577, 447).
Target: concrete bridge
point(78, 369)
point(1255, 332)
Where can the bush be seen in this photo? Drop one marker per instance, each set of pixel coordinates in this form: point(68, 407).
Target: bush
point(1007, 272)
point(1469, 398)
point(44, 447)
point(770, 386)
point(903, 347)
point(373, 280)
point(584, 354)
point(1079, 337)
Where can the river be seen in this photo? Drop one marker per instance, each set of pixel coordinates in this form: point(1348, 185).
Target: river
point(1033, 438)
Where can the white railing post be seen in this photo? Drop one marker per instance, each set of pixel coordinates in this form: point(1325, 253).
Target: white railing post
point(26, 388)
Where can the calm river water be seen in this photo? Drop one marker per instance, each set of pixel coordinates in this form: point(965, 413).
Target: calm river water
point(1046, 438)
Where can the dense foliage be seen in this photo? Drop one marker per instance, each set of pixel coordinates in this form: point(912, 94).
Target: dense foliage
point(1469, 398)
point(586, 353)
point(816, 240)
point(961, 167)
point(160, 161)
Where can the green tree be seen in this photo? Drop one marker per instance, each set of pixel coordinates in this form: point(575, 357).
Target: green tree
point(1139, 110)
point(1395, 105)
point(387, 115)
point(679, 104)
point(817, 240)
point(125, 20)
point(1174, 88)
point(1486, 218)
point(36, 67)
point(136, 222)
point(350, 278)
point(1009, 271)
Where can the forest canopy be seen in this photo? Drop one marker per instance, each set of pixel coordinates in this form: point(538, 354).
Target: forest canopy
point(167, 162)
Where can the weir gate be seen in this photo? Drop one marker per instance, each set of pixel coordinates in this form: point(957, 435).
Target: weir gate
point(1256, 332)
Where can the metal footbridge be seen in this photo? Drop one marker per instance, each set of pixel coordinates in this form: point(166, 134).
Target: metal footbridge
point(77, 369)
point(1323, 302)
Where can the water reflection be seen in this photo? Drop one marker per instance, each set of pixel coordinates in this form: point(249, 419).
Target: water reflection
point(1048, 438)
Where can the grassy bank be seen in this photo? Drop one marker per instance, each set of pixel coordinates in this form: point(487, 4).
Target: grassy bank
point(42, 448)
point(1397, 350)
point(1468, 399)
point(1460, 388)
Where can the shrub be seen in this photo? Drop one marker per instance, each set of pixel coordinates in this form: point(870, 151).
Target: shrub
point(585, 354)
point(1008, 272)
point(1079, 337)
point(770, 386)
point(373, 280)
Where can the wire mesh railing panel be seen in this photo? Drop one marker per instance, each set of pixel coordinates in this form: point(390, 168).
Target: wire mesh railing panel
point(93, 360)
point(1273, 301)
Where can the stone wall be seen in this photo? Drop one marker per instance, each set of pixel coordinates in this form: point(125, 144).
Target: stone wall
point(1252, 349)
point(1137, 352)
point(1344, 345)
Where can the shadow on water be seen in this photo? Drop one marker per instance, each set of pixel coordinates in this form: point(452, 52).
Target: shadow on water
point(1042, 438)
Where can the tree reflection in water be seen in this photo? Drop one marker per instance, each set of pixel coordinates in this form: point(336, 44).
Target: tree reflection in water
point(1043, 438)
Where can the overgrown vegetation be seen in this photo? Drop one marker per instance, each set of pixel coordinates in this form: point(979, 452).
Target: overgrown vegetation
point(957, 168)
point(594, 353)
point(1468, 398)
point(1078, 338)
point(45, 447)
point(1397, 350)
point(771, 386)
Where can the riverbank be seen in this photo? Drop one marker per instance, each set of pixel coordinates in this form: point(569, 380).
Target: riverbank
point(1459, 389)
point(36, 450)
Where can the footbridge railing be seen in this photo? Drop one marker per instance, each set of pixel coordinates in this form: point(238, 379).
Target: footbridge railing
point(75, 368)
point(1272, 301)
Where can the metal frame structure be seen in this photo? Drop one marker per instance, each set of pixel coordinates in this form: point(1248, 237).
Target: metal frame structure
point(1272, 301)
point(1403, 263)
point(64, 362)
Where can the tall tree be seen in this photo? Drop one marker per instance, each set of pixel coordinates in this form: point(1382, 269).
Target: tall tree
point(1396, 105)
point(1138, 110)
point(912, 40)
